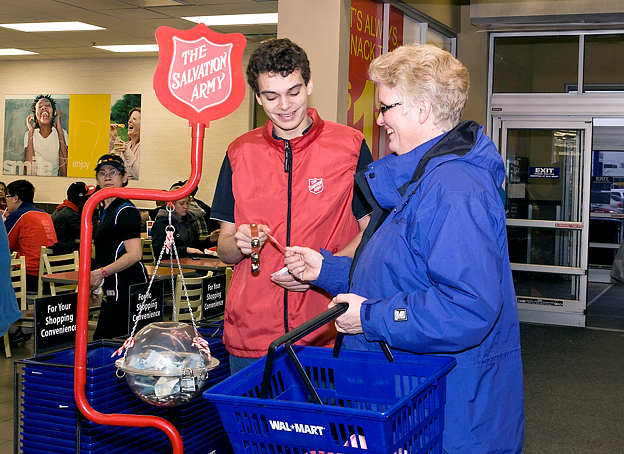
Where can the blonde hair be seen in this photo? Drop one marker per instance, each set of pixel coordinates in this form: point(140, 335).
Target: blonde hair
point(425, 72)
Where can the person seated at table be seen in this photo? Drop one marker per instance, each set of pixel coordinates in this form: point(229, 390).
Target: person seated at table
point(66, 217)
point(150, 215)
point(29, 228)
point(118, 253)
point(207, 227)
point(186, 233)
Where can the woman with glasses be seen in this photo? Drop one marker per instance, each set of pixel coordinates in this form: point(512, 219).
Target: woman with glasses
point(117, 240)
point(432, 273)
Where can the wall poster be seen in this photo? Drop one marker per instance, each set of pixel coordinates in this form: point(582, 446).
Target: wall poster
point(366, 44)
point(63, 135)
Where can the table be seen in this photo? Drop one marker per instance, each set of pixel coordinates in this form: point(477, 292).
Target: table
point(204, 264)
point(71, 277)
point(63, 278)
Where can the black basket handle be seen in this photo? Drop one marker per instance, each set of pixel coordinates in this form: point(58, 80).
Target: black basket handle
point(299, 332)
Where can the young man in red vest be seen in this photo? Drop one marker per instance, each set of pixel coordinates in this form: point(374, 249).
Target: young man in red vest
point(293, 179)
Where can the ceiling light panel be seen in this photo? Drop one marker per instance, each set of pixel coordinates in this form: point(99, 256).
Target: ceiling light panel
point(52, 26)
point(131, 48)
point(235, 19)
point(16, 52)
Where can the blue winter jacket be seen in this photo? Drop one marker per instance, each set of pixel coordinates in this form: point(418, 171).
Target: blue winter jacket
point(435, 271)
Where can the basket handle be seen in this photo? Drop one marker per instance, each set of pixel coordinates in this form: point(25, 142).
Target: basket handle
point(299, 332)
point(384, 348)
point(292, 336)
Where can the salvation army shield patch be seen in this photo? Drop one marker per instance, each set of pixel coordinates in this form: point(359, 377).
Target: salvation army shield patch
point(315, 185)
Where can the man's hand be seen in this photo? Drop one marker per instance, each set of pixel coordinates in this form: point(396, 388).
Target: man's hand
point(290, 283)
point(243, 237)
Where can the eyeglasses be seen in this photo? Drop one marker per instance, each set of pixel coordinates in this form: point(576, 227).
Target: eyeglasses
point(112, 173)
point(383, 108)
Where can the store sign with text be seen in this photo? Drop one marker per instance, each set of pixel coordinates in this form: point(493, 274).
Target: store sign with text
point(366, 44)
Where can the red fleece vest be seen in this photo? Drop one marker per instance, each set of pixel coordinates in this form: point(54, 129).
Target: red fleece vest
point(323, 164)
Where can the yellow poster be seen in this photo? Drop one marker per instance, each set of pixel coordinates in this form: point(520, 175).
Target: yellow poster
point(89, 119)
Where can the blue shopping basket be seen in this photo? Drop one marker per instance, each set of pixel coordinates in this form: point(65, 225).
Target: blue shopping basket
point(366, 401)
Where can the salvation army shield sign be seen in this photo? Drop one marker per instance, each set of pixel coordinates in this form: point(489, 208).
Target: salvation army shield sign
point(199, 75)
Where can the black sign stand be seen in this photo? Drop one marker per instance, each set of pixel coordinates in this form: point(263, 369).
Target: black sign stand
point(213, 297)
point(153, 304)
point(55, 322)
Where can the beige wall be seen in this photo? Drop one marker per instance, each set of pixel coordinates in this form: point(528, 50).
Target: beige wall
point(165, 138)
point(446, 12)
point(472, 44)
point(471, 49)
point(321, 28)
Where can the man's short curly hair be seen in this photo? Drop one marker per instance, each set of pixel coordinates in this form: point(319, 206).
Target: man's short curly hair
point(277, 56)
point(33, 107)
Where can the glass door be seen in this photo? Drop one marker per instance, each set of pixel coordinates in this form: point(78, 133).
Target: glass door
point(607, 197)
point(546, 196)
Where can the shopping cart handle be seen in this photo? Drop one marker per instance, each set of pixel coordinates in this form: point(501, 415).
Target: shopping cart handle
point(293, 336)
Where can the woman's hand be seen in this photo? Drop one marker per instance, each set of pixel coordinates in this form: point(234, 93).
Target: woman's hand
point(58, 125)
point(112, 131)
point(349, 322)
point(214, 236)
point(119, 146)
point(97, 278)
point(30, 123)
point(303, 263)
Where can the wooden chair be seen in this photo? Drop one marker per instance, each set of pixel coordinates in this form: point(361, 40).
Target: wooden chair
point(148, 254)
point(44, 251)
point(194, 290)
point(57, 264)
point(7, 345)
point(13, 254)
point(18, 280)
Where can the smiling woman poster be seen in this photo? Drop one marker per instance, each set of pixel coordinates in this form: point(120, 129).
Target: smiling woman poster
point(63, 135)
point(35, 135)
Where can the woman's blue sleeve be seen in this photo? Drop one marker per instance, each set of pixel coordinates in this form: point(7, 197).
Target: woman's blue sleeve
point(334, 276)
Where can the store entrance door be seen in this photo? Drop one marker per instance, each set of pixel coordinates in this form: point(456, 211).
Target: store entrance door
point(607, 197)
point(547, 207)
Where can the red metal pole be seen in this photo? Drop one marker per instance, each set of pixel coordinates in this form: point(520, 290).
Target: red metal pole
point(80, 361)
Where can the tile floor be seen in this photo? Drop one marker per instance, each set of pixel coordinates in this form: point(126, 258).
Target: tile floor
point(605, 311)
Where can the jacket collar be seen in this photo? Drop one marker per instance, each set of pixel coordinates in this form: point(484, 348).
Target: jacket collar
point(67, 203)
point(13, 217)
point(298, 143)
point(390, 176)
